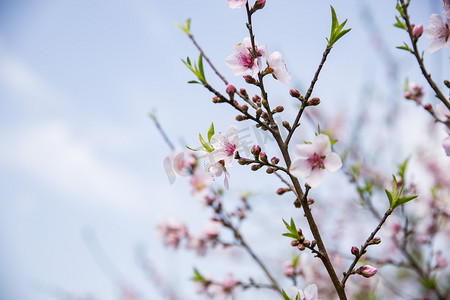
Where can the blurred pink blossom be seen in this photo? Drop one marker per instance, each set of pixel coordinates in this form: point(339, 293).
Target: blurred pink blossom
point(438, 31)
point(236, 3)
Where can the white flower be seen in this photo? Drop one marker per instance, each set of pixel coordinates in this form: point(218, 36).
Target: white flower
point(200, 182)
point(313, 159)
point(242, 60)
point(276, 63)
point(225, 146)
point(439, 32)
point(309, 294)
point(236, 3)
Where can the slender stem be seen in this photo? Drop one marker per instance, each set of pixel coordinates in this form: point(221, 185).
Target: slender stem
point(207, 59)
point(363, 251)
point(162, 132)
point(419, 59)
point(250, 251)
point(308, 93)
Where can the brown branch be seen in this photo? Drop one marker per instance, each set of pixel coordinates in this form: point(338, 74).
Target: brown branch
point(419, 59)
point(363, 248)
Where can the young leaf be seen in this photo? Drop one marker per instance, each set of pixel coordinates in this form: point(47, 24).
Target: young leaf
point(405, 199)
point(389, 195)
point(285, 297)
point(210, 132)
point(289, 235)
point(400, 24)
point(207, 147)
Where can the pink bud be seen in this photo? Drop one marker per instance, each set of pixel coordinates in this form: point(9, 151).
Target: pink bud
point(418, 30)
point(281, 191)
point(231, 89)
point(314, 101)
point(249, 79)
point(294, 93)
point(355, 251)
point(255, 150)
point(259, 4)
point(366, 271)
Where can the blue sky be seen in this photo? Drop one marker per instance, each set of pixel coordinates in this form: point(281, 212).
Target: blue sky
point(78, 151)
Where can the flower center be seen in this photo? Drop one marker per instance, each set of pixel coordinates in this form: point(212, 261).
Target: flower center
point(317, 161)
point(246, 60)
point(229, 149)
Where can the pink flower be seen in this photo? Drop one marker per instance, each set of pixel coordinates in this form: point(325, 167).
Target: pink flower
point(276, 63)
point(438, 31)
point(309, 294)
point(182, 161)
point(236, 3)
point(442, 112)
point(313, 159)
point(366, 271)
point(225, 147)
point(200, 182)
point(446, 145)
point(242, 60)
point(414, 92)
point(172, 231)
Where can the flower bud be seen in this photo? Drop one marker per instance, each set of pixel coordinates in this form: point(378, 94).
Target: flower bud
point(301, 247)
point(241, 118)
point(249, 79)
point(259, 4)
point(265, 103)
point(428, 107)
point(287, 125)
point(417, 31)
point(263, 156)
point(366, 271)
point(375, 241)
point(447, 83)
point(243, 92)
point(278, 109)
point(256, 167)
point(244, 108)
point(243, 161)
point(306, 243)
point(275, 160)
point(258, 113)
point(313, 243)
point(231, 89)
point(265, 116)
point(295, 243)
point(314, 102)
point(270, 170)
point(255, 150)
point(256, 99)
point(355, 251)
point(216, 100)
point(294, 93)
point(299, 231)
point(281, 191)
point(310, 201)
point(297, 203)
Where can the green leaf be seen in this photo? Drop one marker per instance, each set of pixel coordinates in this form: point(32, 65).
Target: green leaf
point(210, 132)
point(402, 168)
point(198, 276)
point(285, 297)
point(405, 199)
point(298, 297)
point(200, 65)
point(336, 29)
point(289, 235)
point(186, 28)
point(389, 195)
point(207, 147)
point(394, 187)
point(293, 227)
point(400, 24)
point(193, 81)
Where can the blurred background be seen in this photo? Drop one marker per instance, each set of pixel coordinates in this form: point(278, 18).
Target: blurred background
point(82, 182)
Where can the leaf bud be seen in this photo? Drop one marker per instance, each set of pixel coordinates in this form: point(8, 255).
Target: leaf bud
point(275, 160)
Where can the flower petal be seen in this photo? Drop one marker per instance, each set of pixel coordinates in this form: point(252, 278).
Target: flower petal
point(316, 177)
point(300, 168)
point(304, 150)
point(311, 292)
point(322, 145)
point(333, 162)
